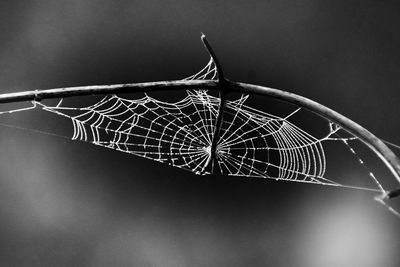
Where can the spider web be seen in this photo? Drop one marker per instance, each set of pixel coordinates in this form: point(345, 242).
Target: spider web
point(251, 143)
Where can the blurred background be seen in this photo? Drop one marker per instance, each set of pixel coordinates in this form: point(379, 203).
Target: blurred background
point(65, 203)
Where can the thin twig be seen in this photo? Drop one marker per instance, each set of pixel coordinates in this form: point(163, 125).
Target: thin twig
point(221, 77)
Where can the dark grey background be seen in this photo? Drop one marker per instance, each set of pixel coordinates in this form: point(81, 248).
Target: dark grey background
point(65, 203)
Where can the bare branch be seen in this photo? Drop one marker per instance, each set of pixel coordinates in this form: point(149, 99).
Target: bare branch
point(373, 142)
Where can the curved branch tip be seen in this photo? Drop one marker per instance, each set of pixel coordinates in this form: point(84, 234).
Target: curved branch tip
point(206, 43)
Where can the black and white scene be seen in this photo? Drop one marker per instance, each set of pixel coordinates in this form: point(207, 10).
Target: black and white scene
point(199, 133)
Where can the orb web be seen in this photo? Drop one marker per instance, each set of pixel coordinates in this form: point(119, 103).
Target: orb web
point(251, 143)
